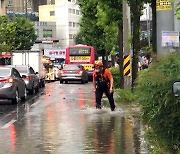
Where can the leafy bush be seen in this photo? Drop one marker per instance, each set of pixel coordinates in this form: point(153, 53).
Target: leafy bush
point(160, 109)
point(115, 73)
point(126, 96)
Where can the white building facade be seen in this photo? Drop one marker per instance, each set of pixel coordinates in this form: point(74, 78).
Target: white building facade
point(2, 7)
point(66, 15)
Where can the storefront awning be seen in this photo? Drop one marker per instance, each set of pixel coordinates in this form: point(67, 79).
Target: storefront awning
point(5, 56)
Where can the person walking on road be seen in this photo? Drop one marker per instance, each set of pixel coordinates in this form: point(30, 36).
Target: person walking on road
point(103, 83)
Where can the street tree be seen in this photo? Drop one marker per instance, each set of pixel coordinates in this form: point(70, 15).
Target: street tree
point(20, 34)
point(101, 25)
point(16, 34)
point(135, 7)
point(3, 22)
point(90, 33)
point(111, 18)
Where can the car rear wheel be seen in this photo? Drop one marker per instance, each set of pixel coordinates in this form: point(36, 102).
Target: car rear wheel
point(82, 81)
point(16, 99)
point(32, 91)
point(43, 83)
point(25, 95)
point(37, 88)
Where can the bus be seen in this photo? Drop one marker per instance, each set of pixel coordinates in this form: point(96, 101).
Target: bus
point(81, 54)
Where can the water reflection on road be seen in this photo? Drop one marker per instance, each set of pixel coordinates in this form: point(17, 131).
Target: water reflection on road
point(64, 120)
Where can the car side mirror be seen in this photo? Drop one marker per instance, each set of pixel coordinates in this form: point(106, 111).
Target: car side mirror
point(176, 88)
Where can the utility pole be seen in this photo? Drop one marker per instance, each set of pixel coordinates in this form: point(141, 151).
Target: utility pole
point(148, 24)
point(126, 44)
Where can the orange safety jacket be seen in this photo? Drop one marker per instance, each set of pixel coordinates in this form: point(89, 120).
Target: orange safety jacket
point(106, 74)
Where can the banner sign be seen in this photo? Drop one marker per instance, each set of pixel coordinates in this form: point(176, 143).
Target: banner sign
point(162, 5)
point(170, 39)
point(55, 53)
point(79, 58)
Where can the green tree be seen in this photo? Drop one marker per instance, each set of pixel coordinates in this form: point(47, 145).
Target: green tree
point(90, 33)
point(135, 7)
point(3, 24)
point(110, 18)
point(18, 34)
point(101, 26)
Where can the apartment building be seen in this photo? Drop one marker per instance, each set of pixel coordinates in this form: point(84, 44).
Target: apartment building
point(66, 15)
point(25, 6)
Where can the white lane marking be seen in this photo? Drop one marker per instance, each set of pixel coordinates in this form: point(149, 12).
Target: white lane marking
point(8, 124)
point(34, 104)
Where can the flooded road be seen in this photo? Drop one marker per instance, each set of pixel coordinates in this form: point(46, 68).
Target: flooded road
point(63, 120)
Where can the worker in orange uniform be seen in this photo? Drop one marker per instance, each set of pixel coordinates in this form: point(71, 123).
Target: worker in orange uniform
point(103, 83)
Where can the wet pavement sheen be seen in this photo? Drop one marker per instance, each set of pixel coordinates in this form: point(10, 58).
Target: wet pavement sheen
point(63, 120)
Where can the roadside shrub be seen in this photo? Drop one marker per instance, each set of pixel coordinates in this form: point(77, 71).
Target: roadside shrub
point(126, 96)
point(160, 109)
point(115, 73)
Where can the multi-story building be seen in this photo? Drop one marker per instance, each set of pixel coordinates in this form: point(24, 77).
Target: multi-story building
point(25, 6)
point(2, 7)
point(66, 15)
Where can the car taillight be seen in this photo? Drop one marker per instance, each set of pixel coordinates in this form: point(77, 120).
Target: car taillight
point(28, 77)
point(80, 72)
point(61, 71)
point(8, 80)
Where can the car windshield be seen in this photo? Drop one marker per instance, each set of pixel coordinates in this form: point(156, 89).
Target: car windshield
point(22, 69)
point(72, 67)
point(4, 72)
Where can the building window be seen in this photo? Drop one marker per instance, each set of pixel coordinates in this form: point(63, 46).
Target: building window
point(74, 24)
point(70, 36)
point(47, 32)
point(52, 13)
point(77, 12)
point(77, 25)
point(69, 0)
point(70, 10)
point(10, 3)
point(74, 11)
point(70, 24)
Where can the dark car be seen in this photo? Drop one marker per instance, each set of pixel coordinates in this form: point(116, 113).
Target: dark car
point(73, 72)
point(31, 78)
point(12, 85)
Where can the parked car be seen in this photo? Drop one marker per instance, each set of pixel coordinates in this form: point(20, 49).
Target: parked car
point(31, 77)
point(12, 85)
point(73, 72)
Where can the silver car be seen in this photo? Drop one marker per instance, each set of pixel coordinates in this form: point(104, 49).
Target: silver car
point(12, 85)
point(30, 77)
point(73, 72)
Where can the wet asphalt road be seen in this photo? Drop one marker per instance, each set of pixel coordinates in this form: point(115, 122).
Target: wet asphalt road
point(62, 119)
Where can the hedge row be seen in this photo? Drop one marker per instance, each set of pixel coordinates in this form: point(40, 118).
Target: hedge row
point(161, 110)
